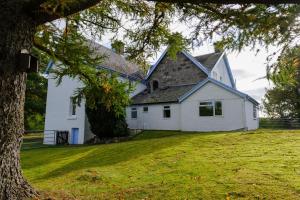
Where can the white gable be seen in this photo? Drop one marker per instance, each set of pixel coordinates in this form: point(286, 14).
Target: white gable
point(220, 72)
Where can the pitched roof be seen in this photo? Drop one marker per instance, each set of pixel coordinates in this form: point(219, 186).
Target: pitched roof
point(113, 60)
point(209, 60)
point(190, 57)
point(168, 94)
point(220, 84)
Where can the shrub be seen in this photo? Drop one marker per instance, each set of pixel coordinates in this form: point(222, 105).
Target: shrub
point(105, 123)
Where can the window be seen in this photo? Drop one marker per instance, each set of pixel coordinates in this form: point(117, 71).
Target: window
point(206, 109)
point(145, 109)
point(221, 78)
point(254, 112)
point(210, 108)
point(133, 113)
point(72, 107)
point(218, 108)
point(167, 112)
point(154, 84)
point(215, 75)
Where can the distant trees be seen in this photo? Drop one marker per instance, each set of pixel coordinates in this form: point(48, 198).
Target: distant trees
point(35, 102)
point(283, 101)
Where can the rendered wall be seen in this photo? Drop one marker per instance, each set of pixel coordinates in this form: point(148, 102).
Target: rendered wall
point(251, 122)
point(232, 107)
point(58, 108)
point(221, 70)
point(153, 119)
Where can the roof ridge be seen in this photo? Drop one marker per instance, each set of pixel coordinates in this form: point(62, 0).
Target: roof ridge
point(209, 54)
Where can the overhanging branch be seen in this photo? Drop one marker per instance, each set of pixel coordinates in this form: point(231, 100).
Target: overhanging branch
point(42, 14)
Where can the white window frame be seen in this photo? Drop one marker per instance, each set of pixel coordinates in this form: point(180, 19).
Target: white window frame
point(72, 108)
point(167, 108)
point(254, 112)
point(213, 102)
point(215, 108)
point(134, 110)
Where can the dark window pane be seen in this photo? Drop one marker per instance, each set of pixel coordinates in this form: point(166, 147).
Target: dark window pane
point(145, 109)
point(254, 112)
point(218, 108)
point(73, 106)
point(206, 110)
point(133, 113)
point(167, 112)
point(155, 85)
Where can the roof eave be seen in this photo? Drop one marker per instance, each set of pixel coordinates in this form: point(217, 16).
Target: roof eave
point(222, 85)
point(198, 64)
point(156, 64)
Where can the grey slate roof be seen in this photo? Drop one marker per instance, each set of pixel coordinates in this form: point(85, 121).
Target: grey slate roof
point(209, 60)
point(172, 93)
point(113, 60)
point(169, 94)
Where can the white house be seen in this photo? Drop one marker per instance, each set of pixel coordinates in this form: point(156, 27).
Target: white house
point(187, 94)
point(67, 122)
point(192, 94)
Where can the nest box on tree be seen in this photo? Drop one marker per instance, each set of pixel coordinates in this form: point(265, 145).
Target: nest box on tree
point(28, 62)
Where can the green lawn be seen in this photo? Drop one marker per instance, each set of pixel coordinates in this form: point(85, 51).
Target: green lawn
point(263, 164)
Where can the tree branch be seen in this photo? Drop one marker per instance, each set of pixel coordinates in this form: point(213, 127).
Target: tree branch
point(272, 2)
point(42, 11)
point(46, 12)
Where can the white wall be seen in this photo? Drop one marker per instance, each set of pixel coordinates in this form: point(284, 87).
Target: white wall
point(58, 108)
point(250, 121)
point(232, 107)
point(221, 70)
point(153, 119)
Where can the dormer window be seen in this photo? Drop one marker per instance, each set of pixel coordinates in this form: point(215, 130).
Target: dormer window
point(154, 85)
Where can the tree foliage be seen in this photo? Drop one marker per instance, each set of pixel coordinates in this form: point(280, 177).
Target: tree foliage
point(105, 123)
point(144, 27)
point(35, 102)
point(283, 101)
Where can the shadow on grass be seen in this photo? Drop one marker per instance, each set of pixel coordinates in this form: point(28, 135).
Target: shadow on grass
point(33, 141)
point(66, 160)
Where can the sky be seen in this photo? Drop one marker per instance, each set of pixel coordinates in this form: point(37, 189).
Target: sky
point(248, 70)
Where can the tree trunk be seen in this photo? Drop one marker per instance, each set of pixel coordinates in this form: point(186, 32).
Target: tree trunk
point(16, 33)
point(12, 183)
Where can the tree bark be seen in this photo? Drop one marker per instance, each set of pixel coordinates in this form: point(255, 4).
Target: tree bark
point(16, 33)
point(12, 183)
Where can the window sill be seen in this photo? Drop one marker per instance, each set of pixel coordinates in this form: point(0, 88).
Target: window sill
point(217, 116)
point(74, 117)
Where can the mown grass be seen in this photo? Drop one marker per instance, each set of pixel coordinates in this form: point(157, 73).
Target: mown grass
point(261, 164)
